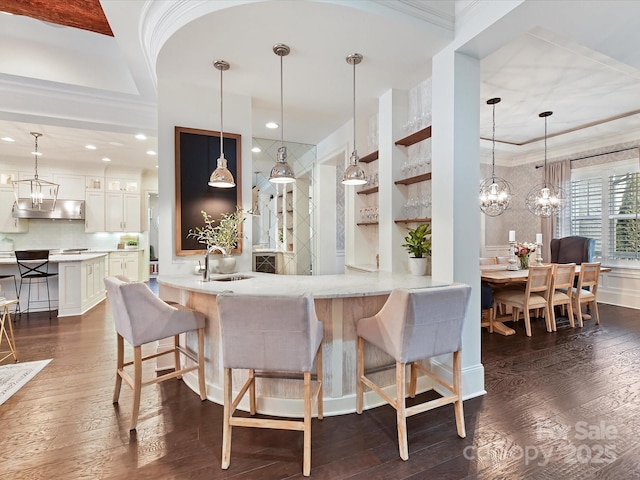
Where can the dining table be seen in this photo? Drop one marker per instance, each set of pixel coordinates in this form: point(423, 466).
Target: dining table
point(498, 276)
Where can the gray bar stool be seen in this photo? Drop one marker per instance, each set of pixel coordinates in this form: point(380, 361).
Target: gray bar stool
point(140, 317)
point(415, 325)
point(274, 337)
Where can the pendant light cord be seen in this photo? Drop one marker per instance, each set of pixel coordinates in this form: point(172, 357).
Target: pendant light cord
point(221, 117)
point(493, 147)
point(35, 154)
point(545, 152)
point(355, 150)
point(281, 105)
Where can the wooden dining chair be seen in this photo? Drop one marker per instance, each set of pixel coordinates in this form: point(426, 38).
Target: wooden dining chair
point(488, 261)
point(586, 291)
point(536, 295)
point(562, 290)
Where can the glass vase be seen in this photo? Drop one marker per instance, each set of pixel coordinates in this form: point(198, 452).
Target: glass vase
point(524, 262)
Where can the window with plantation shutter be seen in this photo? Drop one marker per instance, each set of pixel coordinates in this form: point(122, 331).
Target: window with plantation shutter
point(586, 210)
point(624, 216)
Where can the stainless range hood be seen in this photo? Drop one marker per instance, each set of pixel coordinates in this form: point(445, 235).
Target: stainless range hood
point(63, 210)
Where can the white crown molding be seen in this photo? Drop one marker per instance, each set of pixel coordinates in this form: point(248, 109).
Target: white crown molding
point(429, 12)
point(30, 100)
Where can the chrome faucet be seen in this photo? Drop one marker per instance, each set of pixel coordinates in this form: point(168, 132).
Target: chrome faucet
point(205, 272)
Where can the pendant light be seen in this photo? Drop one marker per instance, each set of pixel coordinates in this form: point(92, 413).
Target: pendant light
point(221, 176)
point(354, 174)
point(545, 200)
point(42, 193)
point(281, 171)
point(495, 192)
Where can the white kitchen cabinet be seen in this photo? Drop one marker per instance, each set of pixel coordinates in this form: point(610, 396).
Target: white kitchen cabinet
point(72, 186)
point(122, 212)
point(8, 224)
point(123, 185)
point(94, 211)
point(125, 263)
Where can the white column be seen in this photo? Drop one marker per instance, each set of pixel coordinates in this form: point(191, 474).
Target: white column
point(455, 211)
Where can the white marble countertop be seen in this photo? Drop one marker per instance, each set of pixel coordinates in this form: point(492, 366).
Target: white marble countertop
point(321, 286)
point(58, 258)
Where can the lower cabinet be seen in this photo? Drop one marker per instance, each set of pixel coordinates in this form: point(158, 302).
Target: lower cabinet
point(80, 286)
point(126, 264)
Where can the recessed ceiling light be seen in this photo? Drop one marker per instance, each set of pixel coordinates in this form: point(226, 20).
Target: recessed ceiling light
point(141, 136)
point(106, 159)
point(36, 153)
point(272, 125)
point(150, 152)
point(156, 166)
point(256, 150)
point(116, 144)
point(90, 147)
point(8, 139)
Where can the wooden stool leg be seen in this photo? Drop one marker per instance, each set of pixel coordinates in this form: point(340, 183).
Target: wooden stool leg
point(319, 400)
point(137, 385)
point(457, 387)
point(201, 379)
point(226, 421)
point(413, 382)
point(401, 418)
point(119, 367)
point(176, 354)
point(359, 375)
point(306, 458)
point(252, 392)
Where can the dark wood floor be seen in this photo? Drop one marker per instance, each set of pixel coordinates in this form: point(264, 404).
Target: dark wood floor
point(572, 396)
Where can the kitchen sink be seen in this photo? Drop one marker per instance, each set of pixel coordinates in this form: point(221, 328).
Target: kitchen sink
point(231, 278)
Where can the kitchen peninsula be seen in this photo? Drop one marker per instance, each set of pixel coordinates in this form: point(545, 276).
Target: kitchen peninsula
point(77, 288)
point(340, 301)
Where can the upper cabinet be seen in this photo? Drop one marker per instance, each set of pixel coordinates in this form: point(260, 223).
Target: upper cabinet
point(122, 212)
point(72, 186)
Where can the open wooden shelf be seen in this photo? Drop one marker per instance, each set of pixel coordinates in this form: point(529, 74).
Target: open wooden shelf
point(414, 220)
point(364, 224)
point(418, 178)
point(367, 191)
point(370, 157)
point(416, 137)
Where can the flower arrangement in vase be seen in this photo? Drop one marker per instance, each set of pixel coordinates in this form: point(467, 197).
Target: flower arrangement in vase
point(225, 234)
point(522, 250)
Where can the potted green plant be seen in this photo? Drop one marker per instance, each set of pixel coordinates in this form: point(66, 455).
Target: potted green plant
point(224, 235)
point(418, 245)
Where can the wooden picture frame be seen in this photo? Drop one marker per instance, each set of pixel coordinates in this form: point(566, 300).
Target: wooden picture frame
point(196, 156)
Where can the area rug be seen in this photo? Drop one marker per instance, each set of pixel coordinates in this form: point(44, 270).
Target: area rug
point(16, 375)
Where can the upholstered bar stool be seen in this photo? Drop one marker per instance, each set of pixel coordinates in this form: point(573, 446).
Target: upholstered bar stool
point(415, 325)
point(16, 305)
point(273, 337)
point(140, 317)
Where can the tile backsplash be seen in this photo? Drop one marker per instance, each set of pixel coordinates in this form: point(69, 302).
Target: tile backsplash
point(53, 234)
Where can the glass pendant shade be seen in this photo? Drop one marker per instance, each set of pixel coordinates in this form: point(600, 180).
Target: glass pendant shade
point(545, 200)
point(221, 176)
point(43, 194)
point(495, 192)
point(354, 174)
point(281, 171)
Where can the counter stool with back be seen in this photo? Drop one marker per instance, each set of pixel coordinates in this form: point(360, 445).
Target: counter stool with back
point(415, 325)
point(33, 266)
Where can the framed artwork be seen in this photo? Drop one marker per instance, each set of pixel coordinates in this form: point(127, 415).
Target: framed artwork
point(196, 156)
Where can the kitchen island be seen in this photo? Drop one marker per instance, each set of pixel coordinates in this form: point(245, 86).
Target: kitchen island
point(78, 287)
point(340, 301)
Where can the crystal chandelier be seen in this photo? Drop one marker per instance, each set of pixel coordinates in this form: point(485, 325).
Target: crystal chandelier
point(221, 176)
point(281, 171)
point(42, 193)
point(495, 192)
point(354, 175)
point(545, 200)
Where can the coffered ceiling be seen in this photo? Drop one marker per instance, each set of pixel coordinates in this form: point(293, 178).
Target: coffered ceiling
point(583, 64)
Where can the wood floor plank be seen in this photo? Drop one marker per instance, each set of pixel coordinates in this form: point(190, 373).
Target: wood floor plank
point(62, 424)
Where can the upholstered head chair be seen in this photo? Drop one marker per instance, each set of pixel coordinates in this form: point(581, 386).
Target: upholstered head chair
point(573, 249)
point(268, 336)
point(415, 325)
point(140, 317)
